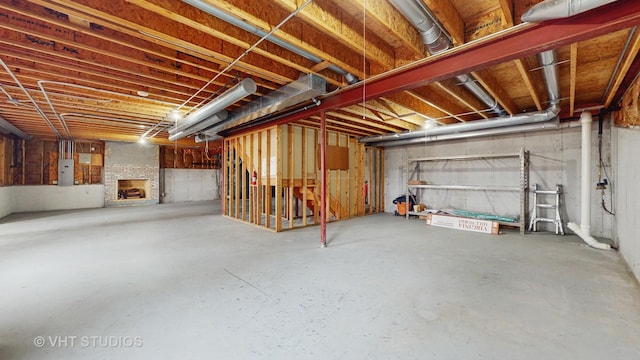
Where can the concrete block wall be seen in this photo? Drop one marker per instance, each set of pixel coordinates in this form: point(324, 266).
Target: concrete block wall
point(181, 185)
point(555, 159)
point(131, 161)
point(626, 205)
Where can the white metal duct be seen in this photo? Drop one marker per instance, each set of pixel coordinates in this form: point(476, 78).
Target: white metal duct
point(212, 113)
point(304, 89)
point(437, 40)
point(557, 9)
point(516, 123)
point(222, 15)
point(432, 35)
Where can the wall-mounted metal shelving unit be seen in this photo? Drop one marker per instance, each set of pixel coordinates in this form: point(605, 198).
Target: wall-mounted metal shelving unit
point(413, 167)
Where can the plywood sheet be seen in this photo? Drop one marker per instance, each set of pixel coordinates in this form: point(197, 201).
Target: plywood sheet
point(337, 157)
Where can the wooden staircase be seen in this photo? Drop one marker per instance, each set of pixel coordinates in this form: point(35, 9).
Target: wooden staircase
point(334, 205)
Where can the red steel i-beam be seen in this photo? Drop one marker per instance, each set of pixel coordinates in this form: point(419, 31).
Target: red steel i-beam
point(323, 180)
point(514, 43)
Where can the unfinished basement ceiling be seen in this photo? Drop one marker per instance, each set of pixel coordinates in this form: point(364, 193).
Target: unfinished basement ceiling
point(115, 70)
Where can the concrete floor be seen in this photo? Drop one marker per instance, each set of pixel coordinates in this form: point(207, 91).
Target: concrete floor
point(181, 282)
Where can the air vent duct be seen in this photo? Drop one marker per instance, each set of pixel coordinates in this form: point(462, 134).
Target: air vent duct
point(302, 90)
point(557, 9)
point(213, 112)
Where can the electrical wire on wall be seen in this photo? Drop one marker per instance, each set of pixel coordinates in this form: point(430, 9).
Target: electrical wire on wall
point(602, 169)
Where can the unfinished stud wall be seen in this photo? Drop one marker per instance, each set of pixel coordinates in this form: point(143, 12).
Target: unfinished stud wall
point(272, 177)
point(554, 159)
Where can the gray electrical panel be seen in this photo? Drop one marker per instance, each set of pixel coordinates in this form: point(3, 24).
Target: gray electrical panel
point(65, 172)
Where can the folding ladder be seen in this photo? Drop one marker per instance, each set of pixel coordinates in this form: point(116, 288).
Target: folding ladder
point(535, 216)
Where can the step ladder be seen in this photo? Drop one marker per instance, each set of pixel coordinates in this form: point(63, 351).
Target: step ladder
point(535, 216)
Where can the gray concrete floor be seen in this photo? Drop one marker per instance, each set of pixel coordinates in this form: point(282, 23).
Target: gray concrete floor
point(181, 282)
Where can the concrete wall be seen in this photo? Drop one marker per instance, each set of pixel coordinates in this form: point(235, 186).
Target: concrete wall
point(626, 147)
point(26, 198)
point(6, 201)
point(180, 185)
point(49, 197)
point(555, 159)
point(131, 161)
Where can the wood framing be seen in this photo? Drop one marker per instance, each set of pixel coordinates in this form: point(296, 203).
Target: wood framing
point(285, 190)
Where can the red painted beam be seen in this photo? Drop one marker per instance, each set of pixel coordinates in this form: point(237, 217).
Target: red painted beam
point(515, 43)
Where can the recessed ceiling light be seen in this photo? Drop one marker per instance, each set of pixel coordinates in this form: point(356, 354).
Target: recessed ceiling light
point(143, 93)
point(142, 126)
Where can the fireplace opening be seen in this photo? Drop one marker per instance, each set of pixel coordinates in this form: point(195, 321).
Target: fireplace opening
point(133, 189)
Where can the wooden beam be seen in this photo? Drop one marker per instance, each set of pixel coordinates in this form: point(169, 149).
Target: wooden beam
point(325, 16)
point(447, 14)
point(279, 174)
point(304, 177)
point(629, 57)
point(260, 186)
point(573, 77)
point(267, 194)
point(390, 25)
point(528, 82)
point(429, 95)
point(291, 175)
point(455, 90)
point(497, 91)
point(507, 11)
point(236, 178)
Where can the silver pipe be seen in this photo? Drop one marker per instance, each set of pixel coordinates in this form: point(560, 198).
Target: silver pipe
point(620, 59)
point(470, 83)
point(212, 10)
point(432, 35)
point(548, 61)
point(550, 69)
point(437, 40)
point(520, 119)
point(4, 124)
point(244, 88)
point(558, 9)
point(547, 125)
point(208, 122)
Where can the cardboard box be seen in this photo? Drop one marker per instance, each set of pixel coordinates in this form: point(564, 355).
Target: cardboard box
point(462, 223)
